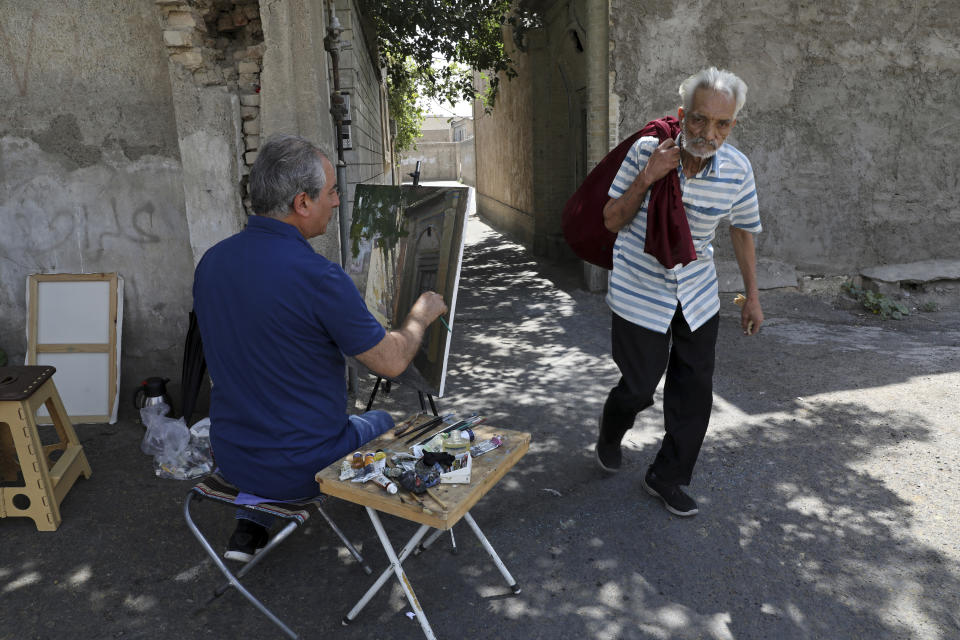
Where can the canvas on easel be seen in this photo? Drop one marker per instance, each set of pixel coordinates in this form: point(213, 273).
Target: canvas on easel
point(407, 240)
point(74, 324)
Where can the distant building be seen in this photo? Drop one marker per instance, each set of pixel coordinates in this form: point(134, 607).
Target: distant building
point(444, 149)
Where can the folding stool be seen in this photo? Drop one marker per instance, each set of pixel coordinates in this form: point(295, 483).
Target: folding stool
point(23, 390)
point(216, 488)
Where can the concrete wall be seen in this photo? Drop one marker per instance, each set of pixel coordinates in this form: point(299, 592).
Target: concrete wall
point(128, 129)
point(90, 174)
point(850, 120)
point(531, 151)
point(438, 161)
point(466, 152)
point(296, 85)
point(504, 154)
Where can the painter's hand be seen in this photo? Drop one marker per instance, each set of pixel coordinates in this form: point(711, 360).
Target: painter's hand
point(428, 307)
point(665, 158)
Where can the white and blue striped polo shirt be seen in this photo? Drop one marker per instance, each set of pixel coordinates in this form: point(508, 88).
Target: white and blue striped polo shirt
point(645, 292)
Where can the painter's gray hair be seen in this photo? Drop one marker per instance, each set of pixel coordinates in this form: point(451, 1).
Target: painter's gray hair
point(718, 80)
point(285, 166)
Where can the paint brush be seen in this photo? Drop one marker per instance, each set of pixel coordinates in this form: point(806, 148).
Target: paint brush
point(419, 431)
point(415, 427)
point(462, 424)
point(444, 323)
point(406, 424)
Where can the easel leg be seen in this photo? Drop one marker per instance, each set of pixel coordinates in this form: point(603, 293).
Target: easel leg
point(423, 405)
point(493, 554)
point(397, 568)
point(373, 394)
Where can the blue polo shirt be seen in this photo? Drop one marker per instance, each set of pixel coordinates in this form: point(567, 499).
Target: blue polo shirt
point(276, 320)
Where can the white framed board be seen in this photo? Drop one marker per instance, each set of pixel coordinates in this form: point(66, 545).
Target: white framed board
point(74, 323)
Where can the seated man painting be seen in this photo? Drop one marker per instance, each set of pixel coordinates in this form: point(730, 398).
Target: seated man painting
point(277, 319)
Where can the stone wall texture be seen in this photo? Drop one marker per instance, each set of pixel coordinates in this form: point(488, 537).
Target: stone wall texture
point(531, 150)
point(850, 122)
point(90, 174)
point(128, 128)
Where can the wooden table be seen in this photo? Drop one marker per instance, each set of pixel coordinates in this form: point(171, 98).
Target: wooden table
point(456, 499)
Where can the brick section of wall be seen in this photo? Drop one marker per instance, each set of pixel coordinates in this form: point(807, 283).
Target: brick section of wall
point(368, 161)
point(221, 43)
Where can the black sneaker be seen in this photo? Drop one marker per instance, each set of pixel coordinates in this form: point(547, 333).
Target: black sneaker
point(247, 541)
point(609, 455)
point(674, 499)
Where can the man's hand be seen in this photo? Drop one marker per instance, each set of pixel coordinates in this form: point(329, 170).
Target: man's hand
point(428, 307)
point(620, 212)
point(751, 316)
point(664, 159)
point(392, 355)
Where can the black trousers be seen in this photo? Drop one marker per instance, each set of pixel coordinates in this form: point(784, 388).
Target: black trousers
point(688, 357)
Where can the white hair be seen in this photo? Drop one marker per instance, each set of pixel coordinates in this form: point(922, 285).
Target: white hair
point(717, 80)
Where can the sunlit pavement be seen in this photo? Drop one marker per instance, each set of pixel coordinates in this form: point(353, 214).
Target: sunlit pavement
point(827, 485)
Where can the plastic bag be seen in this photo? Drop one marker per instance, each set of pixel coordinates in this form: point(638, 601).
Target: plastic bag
point(178, 452)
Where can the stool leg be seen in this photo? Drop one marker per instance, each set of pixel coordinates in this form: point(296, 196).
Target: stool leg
point(226, 572)
point(38, 485)
point(61, 422)
point(8, 455)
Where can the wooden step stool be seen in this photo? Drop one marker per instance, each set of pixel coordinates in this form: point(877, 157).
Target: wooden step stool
point(22, 391)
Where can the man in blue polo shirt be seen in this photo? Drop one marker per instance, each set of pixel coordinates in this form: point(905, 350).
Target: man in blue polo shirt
point(667, 317)
point(276, 320)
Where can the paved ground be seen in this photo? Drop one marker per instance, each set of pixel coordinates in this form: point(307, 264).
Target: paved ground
point(828, 488)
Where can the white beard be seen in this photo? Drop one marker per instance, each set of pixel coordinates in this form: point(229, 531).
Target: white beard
point(687, 146)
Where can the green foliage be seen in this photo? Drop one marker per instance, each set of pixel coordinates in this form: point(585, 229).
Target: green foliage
point(402, 100)
point(412, 35)
point(877, 302)
point(929, 307)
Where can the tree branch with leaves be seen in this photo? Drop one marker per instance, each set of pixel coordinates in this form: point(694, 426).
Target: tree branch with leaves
point(412, 35)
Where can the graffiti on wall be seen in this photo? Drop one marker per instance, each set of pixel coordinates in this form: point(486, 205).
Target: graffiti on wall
point(21, 74)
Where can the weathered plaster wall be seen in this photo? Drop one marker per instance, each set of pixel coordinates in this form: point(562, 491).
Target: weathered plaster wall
point(560, 119)
point(467, 156)
point(531, 151)
point(438, 161)
point(90, 176)
point(296, 86)
point(504, 155)
point(850, 120)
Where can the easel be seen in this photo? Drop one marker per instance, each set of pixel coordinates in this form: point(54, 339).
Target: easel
point(420, 394)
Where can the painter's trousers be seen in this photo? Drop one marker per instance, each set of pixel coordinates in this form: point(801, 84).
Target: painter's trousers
point(688, 357)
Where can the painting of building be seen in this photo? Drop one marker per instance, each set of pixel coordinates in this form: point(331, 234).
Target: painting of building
point(405, 241)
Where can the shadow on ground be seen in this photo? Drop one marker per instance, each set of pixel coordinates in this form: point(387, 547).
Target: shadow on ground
point(827, 510)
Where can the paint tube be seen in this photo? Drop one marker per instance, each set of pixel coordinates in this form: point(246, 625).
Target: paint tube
point(384, 483)
point(346, 470)
point(486, 446)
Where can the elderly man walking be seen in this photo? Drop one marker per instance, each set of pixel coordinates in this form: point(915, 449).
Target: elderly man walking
point(277, 319)
point(664, 295)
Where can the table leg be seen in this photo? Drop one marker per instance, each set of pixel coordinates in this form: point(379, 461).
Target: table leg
point(396, 567)
point(429, 541)
point(493, 554)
